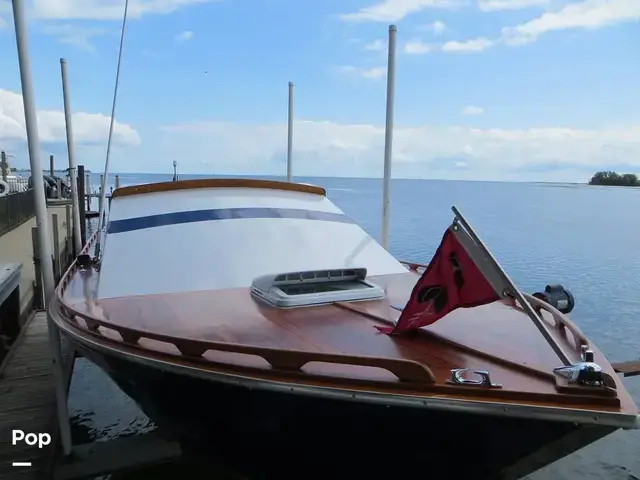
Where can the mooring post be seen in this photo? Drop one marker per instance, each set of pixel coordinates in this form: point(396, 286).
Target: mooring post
point(4, 166)
point(51, 166)
point(77, 237)
point(68, 239)
point(290, 135)
point(38, 289)
point(44, 245)
point(81, 209)
point(388, 134)
point(87, 184)
point(56, 247)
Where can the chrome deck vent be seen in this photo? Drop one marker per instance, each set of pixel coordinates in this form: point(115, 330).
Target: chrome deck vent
point(315, 287)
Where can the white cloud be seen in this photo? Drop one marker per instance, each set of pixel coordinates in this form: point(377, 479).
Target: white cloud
point(395, 10)
point(74, 35)
point(472, 110)
point(495, 5)
point(376, 46)
point(184, 36)
point(416, 47)
point(373, 73)
point(437, 27)
point(475, 45)
point(106, 9)
point(88, 128)
point(589, 14)
point(326, 148)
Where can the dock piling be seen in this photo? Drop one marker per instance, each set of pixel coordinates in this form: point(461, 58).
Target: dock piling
point(56, 247)
point(69, 242)
point(38, 294)
point(81, 210)
point(4, 166)
point(87, 185)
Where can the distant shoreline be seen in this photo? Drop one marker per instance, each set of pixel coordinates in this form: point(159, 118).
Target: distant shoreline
point(168, 174)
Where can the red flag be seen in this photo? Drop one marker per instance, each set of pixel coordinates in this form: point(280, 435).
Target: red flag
point(452, 280)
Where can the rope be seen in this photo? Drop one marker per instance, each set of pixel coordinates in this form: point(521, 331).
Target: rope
point(103, 188)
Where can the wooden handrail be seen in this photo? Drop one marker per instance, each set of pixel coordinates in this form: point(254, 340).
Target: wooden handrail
point(560, 320)
point(291, 360)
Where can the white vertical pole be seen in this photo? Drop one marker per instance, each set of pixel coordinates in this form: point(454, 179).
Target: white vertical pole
point(388, 135)
point(73, 172)
point(290, 135)
point(48, 279)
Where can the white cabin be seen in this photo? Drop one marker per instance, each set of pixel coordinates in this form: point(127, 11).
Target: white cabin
point(207, 238)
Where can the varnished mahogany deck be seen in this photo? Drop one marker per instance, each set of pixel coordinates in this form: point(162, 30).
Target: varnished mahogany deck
point(495, 337)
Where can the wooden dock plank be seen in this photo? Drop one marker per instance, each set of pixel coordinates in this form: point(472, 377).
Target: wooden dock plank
point(628, 369)
point(27, 401)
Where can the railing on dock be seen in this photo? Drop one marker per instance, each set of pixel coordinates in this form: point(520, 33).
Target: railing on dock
point(15, 209)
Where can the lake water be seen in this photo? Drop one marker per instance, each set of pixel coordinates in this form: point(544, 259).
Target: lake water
point(587, 238)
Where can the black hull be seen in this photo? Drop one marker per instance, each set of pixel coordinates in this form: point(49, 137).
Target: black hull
point(268, 434)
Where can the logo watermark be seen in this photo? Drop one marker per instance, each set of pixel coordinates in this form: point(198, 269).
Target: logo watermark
point(40, 440)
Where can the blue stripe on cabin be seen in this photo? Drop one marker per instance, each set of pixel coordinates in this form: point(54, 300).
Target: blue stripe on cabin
point(176, 218)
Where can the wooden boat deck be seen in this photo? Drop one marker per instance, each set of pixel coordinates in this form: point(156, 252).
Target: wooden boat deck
point(229, 332)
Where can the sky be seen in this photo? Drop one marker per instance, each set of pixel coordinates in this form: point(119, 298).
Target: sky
point(514, 90)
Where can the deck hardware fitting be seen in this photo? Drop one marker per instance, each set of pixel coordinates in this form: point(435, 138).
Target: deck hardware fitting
point(485, 381)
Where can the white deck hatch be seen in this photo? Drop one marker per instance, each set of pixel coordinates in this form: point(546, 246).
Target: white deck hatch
point(297, 289)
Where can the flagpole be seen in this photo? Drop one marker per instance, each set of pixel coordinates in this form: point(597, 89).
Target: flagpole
point(526, 306)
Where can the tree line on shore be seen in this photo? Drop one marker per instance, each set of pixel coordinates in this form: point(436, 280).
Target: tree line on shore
point(615, 179)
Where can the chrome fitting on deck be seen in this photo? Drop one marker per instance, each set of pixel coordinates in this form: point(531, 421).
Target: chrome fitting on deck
point(586, 372)
point(457, 378)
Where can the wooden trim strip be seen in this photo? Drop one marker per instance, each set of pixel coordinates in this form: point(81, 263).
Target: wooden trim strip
point(217, 183)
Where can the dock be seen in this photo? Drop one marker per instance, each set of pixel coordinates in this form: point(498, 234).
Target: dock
point(27, 402)
point(628, 369)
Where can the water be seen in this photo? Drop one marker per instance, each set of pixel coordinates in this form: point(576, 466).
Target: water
point(581, 236)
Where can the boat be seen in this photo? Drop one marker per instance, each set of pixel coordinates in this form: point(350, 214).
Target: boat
point(254, 320)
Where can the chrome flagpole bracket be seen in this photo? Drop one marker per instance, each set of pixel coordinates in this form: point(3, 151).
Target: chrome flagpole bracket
point(499, 279)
